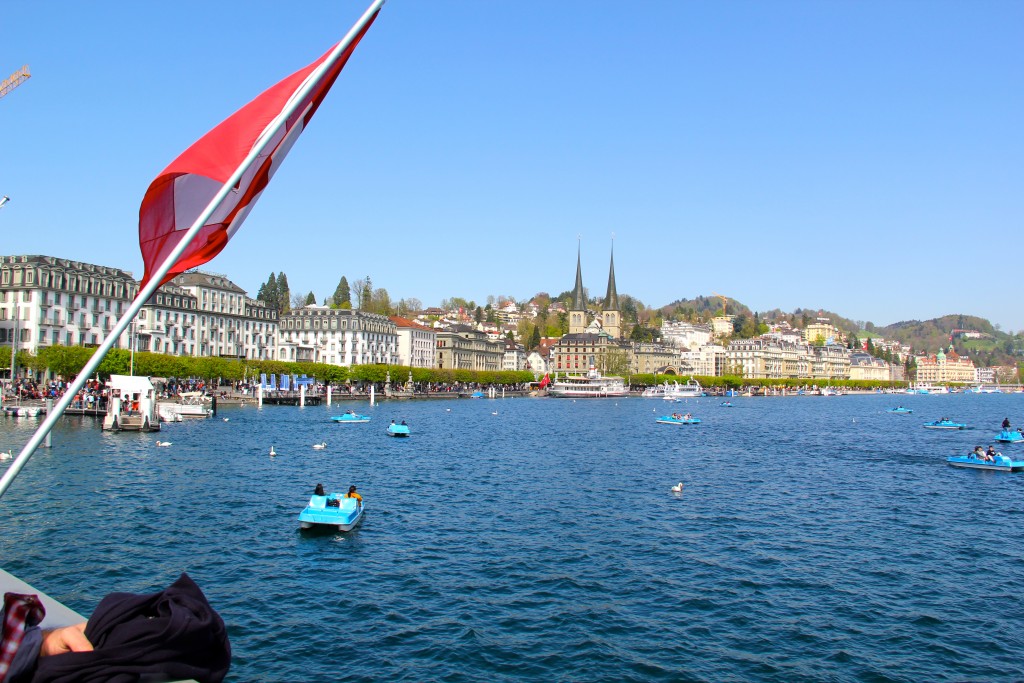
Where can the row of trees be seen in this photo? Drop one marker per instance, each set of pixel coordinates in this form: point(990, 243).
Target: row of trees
point(68, 361)
point(277, 296)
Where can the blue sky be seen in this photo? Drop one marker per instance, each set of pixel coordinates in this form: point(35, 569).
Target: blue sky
point(864, 157)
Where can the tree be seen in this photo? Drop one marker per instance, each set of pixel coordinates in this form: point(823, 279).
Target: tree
point(342, 294)
point(479, 315)
point(310, 298)
point(269, 293)
point(283, 293)
point(359, 290)
point(534, 338)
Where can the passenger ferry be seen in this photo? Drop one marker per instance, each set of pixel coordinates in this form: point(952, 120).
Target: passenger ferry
point(591, 385)
point(692, 389)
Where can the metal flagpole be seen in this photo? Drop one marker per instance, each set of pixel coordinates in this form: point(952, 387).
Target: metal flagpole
point(154, 282)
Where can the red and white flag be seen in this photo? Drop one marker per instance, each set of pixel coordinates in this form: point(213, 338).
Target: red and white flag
point(184, 190)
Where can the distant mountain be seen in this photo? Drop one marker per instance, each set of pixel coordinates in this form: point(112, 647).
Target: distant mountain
point(701, 308)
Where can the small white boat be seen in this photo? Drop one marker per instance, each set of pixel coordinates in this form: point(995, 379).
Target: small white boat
point(675, 390)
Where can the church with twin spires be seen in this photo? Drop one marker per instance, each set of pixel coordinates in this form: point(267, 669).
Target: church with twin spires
point(609, 320)
point(600, 342)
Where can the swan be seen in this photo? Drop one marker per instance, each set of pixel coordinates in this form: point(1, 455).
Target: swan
point(495, 412)
point(447, 410)
point(272, 452)
point(163, 443)
point(6, 455)
point(678, 488)
point(226, 419)
point(320, 446)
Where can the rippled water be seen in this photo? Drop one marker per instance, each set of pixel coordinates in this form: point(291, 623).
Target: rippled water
point(816, 538)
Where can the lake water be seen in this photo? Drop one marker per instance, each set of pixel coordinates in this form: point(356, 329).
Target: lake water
point(816, 538)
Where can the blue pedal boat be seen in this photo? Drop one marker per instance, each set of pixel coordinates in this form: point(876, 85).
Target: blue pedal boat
point(901, 411)
point(322, 511)
point(350, 418)
point(677, 420)
point(398, 430)
point(1009, 436)
point(1001, 463)
point(944, 424)
point(727, 404)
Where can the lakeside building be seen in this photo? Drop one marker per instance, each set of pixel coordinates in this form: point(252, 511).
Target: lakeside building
point(336, 336)
point(864, 366)
point(462, 347)
point(229, 323)
point(48, 301)
point(945, 367)
point(984, 376)
point(721, 326)
point(416, 342)
point(515, 357)
point(683, 335)
point(708, 361)
point(166, 324)
point(768, 358)
point(822, 331)
point(651, 357)
point(576, 352)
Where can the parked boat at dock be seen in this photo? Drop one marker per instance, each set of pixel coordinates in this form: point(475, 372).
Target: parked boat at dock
point(131, 406)
point(591, 385)
point(674, 390)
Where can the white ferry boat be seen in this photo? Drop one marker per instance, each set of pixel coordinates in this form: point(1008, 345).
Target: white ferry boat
point(927, 389)
point(692, 389)
point(591, 385)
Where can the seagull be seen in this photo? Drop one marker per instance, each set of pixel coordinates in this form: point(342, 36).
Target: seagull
point(678, 488)
point(447, 410)
point(163, 443)
point(320, 446)
point(272, 452)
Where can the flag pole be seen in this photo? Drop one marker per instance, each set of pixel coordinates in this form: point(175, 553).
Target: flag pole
point(154, 282)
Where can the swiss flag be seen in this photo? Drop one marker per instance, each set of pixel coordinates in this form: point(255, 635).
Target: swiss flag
point(180, 194)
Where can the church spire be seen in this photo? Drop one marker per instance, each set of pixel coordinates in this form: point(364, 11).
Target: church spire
point(611, 299)
point(578, 301)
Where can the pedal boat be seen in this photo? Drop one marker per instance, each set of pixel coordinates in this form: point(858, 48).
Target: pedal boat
point(346, 515)
point(398, 430)
point(944, 424)
point(901, 411)
point(350, 418)
point(1002, 463)
point(669, 420)
point(1009, 436)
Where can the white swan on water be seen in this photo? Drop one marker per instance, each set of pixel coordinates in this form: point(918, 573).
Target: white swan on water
point(163, 443)
point(678, 488)
point(6, 455)
point(320, 446)
point(272, 452)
